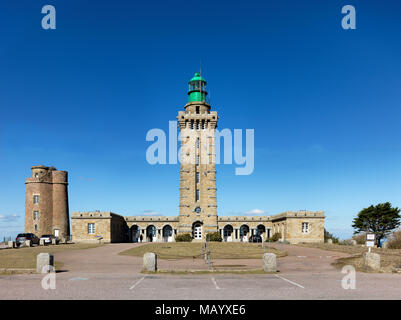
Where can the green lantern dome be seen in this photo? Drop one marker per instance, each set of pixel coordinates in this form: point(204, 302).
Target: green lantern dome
point(197, 88)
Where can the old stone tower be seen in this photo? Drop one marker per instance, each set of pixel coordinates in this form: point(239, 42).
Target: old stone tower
point(46, 202)
point(198, 203)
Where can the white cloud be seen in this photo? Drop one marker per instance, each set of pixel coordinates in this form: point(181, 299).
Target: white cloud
point(255, 212)
point(151, 213)
point(8, 217)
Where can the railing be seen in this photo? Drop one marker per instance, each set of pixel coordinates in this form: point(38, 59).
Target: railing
point(6, 239)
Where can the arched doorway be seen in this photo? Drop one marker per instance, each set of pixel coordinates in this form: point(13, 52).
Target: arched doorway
point(135, 233)
point(197, 230)
point(243, 233)
point(227, 233)
point(151, 233)
point(260, 230)
point(167, 233)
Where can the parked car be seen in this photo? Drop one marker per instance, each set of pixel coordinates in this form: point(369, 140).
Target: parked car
point(22, 237)
point(47, 238)
point(255, 238)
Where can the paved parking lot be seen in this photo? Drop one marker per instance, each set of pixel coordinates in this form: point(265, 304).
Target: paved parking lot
point(100, 273)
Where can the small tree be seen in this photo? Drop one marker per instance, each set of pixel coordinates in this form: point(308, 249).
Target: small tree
point(380, 220)
point(328, 235)
point(274, 238)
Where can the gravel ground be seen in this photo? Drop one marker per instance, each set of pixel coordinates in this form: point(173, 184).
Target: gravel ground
point(100, 273)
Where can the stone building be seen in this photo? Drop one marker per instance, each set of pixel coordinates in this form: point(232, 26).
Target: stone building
point(198, 202)
point(46, 202)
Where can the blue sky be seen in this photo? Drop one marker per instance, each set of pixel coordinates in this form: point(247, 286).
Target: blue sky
point(325, 102)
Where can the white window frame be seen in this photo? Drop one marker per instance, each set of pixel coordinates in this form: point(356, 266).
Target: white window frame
point(35, 215)
point(91, 228)
point(305, 227)
point(35, 199)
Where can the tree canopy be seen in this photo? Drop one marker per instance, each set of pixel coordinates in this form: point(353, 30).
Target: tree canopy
point(380, 220)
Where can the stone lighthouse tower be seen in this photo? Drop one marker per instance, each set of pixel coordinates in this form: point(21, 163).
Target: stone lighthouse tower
point(198, 203)
point(46, 202)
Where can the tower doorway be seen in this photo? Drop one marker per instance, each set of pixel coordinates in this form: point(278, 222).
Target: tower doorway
point(197, 230)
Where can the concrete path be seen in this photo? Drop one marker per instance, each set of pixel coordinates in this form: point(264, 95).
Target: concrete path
point(100, 273)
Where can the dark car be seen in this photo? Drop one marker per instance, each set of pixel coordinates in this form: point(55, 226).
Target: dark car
point(22, 237)
point(255, 238)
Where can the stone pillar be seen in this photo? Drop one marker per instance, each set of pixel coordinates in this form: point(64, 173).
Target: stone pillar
point(329, 241)
point(42, 242)
point(269, 262)
point(150, 262)
point(371, 261)
point(11, 244)
point(27, 243)
point(54, 241)
point(44, 263)
point(353, 242)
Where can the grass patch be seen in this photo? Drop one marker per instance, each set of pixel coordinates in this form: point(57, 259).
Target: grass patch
point(194, 250)
point(389, 258)
point(25, 258)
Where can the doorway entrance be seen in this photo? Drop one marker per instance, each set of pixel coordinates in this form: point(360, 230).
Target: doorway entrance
point(197, 230)
point(228, 233)
point(167, 233)
point(151, 235)
point(135, 233)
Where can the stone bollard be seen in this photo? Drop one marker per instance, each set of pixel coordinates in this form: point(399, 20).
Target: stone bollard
point(42, 242)
point(27, 243)
point(269, 262)
point(385, 245)
point(150, 261)
point(353, 242)
point(330, 241)
point(54, 241)
point(44, 263)
point(371, 261)
point(11, 244)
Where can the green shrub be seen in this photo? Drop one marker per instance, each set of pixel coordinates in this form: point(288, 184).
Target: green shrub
point(185, 237)
point(328, 235)
point(214, 236)
point(275, 237)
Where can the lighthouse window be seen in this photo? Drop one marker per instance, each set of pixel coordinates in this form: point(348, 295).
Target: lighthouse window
point(197, 109)
point(35, 199)
point(197, 177)
point(197, 195)
point(35, 215)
